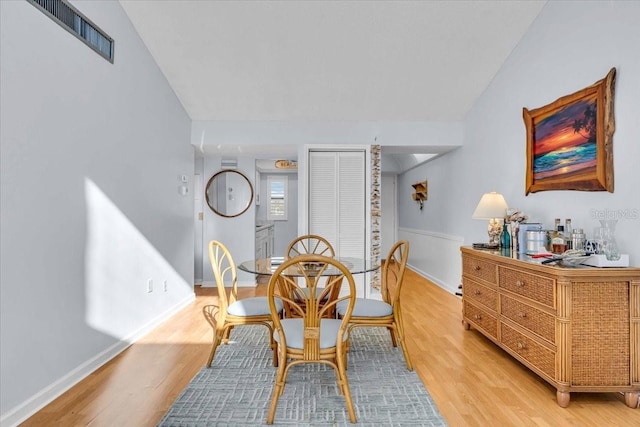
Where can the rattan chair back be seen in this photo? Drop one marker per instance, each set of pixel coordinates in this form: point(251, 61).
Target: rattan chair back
point(232, 311)
point(310, 337)
point(310, 244)
point(388, 312)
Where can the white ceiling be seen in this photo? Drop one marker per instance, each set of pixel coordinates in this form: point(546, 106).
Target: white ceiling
point(383, 61)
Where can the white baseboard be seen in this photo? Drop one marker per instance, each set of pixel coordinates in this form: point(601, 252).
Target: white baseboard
point(21, 412)
point(430, 277)
point(435, 256)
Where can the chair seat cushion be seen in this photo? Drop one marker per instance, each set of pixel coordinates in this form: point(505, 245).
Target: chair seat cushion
point(255, 306)
point(366, 308)
point(294, 329)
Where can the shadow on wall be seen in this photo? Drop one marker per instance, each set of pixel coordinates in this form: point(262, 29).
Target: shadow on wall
point(121, 269)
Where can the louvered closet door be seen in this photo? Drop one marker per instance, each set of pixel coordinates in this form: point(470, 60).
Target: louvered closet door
point(337, 202)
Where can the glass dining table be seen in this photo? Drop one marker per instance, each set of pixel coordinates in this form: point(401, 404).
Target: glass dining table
point(268, 266)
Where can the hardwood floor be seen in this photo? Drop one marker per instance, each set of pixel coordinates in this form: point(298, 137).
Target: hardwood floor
point(473, 382)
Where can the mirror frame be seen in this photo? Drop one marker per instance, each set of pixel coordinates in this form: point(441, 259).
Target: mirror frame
point(223, 171)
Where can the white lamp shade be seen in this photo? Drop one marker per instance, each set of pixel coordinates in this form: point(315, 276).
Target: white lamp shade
point(491, 205)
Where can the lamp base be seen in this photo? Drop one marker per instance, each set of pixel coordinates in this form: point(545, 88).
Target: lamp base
point(494, 230)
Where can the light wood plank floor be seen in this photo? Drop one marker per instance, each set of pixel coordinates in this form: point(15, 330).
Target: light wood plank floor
point(472, 381)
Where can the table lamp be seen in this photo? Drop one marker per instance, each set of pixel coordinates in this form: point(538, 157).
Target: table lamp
point(493, 207)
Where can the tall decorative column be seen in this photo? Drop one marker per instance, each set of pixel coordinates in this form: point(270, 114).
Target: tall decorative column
point(375, 212)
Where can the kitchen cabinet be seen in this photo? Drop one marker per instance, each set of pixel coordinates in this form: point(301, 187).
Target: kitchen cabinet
point(264, 241)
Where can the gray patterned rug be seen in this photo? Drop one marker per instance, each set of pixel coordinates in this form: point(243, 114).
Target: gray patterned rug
point(236, 390)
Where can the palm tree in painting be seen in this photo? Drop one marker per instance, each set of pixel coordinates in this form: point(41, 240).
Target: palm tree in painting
point(586, 127)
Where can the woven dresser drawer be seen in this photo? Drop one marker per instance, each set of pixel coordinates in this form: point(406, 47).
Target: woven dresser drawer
point(481, 318)
point(534, 353)
point(537, 288)
point(480, 269)
point(537, 321)
point(478, 293)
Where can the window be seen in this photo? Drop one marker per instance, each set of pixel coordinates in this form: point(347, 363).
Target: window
point(277, 187)
point(69, 18)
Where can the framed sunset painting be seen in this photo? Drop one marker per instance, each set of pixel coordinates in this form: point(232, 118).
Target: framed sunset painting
point(570, 141)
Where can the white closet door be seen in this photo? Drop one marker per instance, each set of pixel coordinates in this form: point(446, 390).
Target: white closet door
point(337, 197)
point(351, 204)
point(323, 203)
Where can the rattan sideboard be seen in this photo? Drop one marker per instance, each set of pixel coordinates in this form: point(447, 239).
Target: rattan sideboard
point(577, 328)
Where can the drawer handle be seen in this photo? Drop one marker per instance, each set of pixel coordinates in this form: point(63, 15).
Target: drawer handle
point(477, 292)
point(522, 315)
point(520, 283)
point(522, 346)
point(477, 268)
point(477, 317)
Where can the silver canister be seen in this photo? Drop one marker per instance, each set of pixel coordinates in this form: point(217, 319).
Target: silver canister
point(578, 239)
point(536, 241)
point(522, 234)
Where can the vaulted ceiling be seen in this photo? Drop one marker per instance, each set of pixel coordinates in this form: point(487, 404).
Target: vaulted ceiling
point(384, 61)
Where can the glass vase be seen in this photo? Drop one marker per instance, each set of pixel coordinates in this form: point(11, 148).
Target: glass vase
point(608, 231)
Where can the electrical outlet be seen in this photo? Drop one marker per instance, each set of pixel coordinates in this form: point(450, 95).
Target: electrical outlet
point(165, 286)
point(149, 286)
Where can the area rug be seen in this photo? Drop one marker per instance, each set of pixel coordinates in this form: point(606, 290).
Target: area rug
point(236, 390)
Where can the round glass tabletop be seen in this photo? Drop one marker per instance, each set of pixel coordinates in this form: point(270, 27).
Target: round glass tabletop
point(268, 266)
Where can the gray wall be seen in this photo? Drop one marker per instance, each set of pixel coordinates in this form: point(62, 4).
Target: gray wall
point(237, 233)
point(569, 46)
point(92, 155)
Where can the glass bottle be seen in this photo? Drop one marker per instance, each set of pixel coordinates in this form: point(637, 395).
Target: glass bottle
point(551, 233)
point(505, 237)
point(558, 241)
point(567, 232)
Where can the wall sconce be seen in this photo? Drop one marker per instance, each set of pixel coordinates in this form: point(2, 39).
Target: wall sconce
point(493, 207)
point(420, 192)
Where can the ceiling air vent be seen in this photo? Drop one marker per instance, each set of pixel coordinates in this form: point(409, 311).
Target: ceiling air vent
point(77, 24)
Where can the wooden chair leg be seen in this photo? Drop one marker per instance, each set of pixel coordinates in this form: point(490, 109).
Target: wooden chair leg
point(227, 333)
point(407, 359)
point(277, 391)
point(344, 386)
point(403, 345)
point(217, 339)
point(392, 332)
point(274, 348)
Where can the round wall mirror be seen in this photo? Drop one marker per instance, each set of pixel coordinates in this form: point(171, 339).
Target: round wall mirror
point(229, 193)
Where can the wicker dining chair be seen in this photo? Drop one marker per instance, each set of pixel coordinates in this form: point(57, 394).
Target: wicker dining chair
point(310, 337)
point(386, 313)
point(311, 244)
point(231, 311)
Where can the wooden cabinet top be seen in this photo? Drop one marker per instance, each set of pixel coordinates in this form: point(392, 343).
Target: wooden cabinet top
point(521, 261)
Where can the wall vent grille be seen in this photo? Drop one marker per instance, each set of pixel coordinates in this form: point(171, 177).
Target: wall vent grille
point(77, 24)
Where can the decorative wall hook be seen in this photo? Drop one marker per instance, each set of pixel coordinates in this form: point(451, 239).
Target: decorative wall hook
point(420, 192)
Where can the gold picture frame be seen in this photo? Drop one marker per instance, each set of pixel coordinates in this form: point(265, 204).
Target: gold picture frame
point(570, 141)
